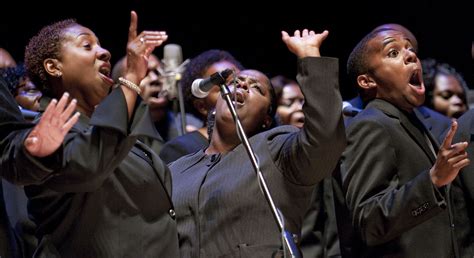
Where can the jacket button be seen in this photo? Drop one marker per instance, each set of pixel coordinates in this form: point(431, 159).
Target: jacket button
point(172, 213)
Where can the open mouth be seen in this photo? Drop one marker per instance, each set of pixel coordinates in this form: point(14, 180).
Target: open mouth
point(238, 99)
point(416, 79)
point(104, 71)
point(297, 118)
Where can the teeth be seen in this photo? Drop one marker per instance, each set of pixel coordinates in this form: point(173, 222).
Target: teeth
point(104, 71)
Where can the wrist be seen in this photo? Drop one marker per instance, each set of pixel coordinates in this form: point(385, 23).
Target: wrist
point(129, 84)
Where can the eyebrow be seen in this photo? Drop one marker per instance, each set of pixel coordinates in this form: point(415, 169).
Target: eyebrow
point(388, 41)
point(84, 34)
point(89, 35)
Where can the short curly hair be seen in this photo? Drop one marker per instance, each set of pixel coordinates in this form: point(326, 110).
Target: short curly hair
point(46, 44)
point(196, 69)
point(357, 63)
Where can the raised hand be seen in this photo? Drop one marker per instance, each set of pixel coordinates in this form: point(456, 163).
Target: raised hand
point(49, 133)
point(306, 43)
point(139, 49)
point(451, 158)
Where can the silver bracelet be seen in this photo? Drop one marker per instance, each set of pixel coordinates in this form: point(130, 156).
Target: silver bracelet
point(130, 85)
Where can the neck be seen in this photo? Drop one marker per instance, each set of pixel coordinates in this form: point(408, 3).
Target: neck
point(84, 109)
point(222, 143)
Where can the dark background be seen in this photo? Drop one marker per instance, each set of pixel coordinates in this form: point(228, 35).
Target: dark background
point(444, 29)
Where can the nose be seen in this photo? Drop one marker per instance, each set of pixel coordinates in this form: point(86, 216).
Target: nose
point(104, 54)
point(410, 56)
point(299, 104)
point(456, 100)
point(243, 85)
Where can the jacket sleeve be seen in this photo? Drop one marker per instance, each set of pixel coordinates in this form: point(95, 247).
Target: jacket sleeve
point(18, 167)
point(92, 152)
point(311, 154)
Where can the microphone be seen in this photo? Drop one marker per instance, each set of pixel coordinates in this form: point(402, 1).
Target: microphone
point(349, 110)
point(201, 87)
point(172, 58)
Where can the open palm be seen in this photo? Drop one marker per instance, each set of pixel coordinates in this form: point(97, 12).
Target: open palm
point(49, 133)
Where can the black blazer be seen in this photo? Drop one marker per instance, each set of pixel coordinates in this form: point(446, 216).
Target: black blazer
point(393, 204)
point(462, 189)
point(112, 195)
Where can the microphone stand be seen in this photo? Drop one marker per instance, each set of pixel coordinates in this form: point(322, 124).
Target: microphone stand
point(176, 75)
point(181, 109)
point(287, 238)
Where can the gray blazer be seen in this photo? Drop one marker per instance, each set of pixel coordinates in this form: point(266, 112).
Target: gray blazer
point(220, 208)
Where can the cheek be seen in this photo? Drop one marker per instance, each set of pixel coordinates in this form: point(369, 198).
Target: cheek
point(440, 103)
point(283, 111)
point(211, 99)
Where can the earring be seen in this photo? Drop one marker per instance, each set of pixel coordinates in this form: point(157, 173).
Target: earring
point(264, 126)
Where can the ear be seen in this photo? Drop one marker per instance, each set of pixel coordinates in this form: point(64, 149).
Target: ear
point(366, 82)
point(201, 107)
point(53, 67)
point(267, 122)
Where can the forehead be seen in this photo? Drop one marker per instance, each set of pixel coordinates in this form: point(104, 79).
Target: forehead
point(445, 81)
point(400, 28)
point(219, 66)
point(254, 75)
point(77, 30)
point(291, 90)
point(385, 37)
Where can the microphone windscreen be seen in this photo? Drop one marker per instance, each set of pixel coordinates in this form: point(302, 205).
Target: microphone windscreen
point(172, 56)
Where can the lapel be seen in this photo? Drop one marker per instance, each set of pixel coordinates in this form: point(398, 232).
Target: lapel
point(423, 115)
point(415, 133)
point(161, 170)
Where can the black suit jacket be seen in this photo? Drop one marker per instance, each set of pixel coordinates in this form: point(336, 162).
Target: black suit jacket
point(462, 189)
point(112, 195)
point(327, 230)
point(393, 204)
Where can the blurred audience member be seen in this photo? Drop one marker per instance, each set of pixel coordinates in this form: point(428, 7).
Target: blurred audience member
point(25, 92)
point(446, 89)
point(290, 101)
point(6, 60)
point(202, 66)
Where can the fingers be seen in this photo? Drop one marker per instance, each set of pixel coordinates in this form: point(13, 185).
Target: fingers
point(284, 36)
point(151, 39)
point(449, 137)
point(297, 33)
point(459, 160)
point(69, 110)
point(48, 113)
point(324, 35)
point(58, 110)
point(305, 33)
point(462, 163)
point(71, 122)
point(132, 30)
